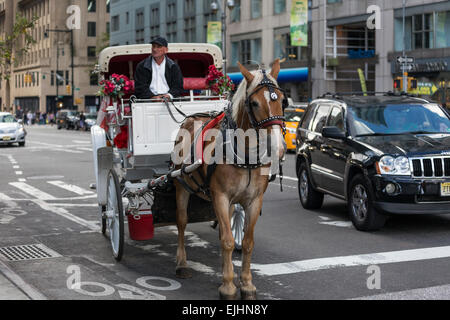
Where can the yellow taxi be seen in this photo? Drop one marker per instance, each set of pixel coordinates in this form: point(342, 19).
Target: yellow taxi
point(292, 116)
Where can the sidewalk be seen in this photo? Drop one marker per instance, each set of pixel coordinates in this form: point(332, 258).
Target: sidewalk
point(9, 291)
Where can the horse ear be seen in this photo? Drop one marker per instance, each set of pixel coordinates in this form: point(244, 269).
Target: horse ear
point(247, 75)
point(275, 69)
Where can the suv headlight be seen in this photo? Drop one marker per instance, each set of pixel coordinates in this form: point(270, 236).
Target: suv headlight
point(394, 166)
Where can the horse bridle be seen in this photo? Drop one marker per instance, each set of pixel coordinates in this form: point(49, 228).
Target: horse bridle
point(274, 120)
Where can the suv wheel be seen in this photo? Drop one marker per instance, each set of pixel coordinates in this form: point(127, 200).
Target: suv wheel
point(310, 198)
point(360, 206)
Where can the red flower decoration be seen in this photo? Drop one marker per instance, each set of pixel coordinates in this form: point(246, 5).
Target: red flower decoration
point(217, 82)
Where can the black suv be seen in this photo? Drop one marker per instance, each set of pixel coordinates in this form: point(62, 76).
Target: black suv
point(382, 154)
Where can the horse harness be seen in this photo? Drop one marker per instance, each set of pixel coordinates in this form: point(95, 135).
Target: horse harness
point(226, 122)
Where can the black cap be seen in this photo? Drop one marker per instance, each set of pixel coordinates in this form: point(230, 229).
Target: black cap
point(161, 41)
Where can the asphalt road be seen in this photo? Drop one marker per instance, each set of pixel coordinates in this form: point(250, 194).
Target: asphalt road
point(299, 254)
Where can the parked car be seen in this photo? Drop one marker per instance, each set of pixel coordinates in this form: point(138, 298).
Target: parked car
point(382, 154)
point(66, 119)
point(292, 115)
point(11, 130)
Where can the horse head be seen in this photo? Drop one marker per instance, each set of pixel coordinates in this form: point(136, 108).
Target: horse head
point(261, 104)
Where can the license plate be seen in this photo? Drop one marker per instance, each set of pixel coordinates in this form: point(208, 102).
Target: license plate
point(445, 189)
point(6, 138)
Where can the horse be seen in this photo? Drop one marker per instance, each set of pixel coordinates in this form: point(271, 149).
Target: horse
point(257, 104)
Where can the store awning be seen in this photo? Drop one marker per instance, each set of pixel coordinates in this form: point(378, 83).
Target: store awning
point(285, 75)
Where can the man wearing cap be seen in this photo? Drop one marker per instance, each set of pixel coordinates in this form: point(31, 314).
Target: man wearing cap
point(158, 76)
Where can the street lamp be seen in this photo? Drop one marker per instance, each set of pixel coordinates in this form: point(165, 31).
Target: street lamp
point(71, 55)
point(215, 6)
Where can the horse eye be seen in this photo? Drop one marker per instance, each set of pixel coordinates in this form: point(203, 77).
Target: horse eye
point(254, 104)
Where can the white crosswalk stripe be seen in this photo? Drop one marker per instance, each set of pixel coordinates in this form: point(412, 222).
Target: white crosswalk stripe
point(32, 191)
point(70, 187)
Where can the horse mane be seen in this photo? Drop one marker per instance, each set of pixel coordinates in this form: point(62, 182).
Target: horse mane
point(242, 91)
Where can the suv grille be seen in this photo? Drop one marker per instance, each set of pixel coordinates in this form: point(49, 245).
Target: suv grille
point(433, 167)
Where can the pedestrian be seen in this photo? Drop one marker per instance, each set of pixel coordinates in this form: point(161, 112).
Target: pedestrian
point(19, 113)
point(82, 120)
point(29, 117)
point(51, 118)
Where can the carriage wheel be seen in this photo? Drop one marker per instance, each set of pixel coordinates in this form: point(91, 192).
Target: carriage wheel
point(102, 210)
point(237, 226)
point(114, 215)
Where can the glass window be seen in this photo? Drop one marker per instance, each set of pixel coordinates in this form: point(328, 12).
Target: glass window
point(442, 29)
point(320, 119)
point(92, 5)
point(279, 6)
point(108, 7)
point(7, 118)
point(91, 51)
point(398, 119)
point(92, 29)
point(256, 9)
point(336, 118)
point(93, 79)
point(115, 23)
point(236, 12)
point(284, 50)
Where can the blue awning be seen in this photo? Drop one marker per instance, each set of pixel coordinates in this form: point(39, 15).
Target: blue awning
point(285, 75)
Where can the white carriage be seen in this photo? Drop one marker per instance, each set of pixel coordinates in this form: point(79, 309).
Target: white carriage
point(133, 179)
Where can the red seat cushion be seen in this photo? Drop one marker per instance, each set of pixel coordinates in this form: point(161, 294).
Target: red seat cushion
point(194, 83)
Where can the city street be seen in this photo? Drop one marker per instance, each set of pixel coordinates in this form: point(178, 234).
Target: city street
point(45, 200)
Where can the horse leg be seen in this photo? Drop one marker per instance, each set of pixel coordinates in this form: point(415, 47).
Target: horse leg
point(182, 198)
point(228, 289)
point(248, 290)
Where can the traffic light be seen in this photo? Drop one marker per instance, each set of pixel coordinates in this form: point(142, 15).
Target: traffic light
point(398, 83)
point(412, 83)
point(68, 89)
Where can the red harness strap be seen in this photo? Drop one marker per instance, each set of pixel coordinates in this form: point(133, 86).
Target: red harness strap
point(200, 139)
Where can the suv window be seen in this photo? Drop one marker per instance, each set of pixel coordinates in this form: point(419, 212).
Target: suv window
point(336, 118)
point(309, 114)
point(320, 118)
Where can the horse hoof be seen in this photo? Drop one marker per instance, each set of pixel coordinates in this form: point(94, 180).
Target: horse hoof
point(183, 273)
point(228, 296)
point(248, 295)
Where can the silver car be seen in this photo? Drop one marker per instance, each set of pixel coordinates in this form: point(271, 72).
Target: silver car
point(11, 131)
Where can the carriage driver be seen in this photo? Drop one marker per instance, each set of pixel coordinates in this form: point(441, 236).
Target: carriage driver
point(158, 76)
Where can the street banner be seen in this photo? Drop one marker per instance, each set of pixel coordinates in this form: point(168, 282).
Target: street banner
point(299, 23)
point(362, 78)
point(214, 33)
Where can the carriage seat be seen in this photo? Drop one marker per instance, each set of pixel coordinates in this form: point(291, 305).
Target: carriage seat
point(194, 83)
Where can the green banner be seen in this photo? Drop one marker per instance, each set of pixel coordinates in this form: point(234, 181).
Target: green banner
point(299, 23)
point(214, 34)
point(362, 78)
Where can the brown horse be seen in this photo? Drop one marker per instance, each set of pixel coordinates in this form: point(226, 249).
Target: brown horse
point(257, 105)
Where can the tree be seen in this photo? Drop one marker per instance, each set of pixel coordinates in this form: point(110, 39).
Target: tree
point(16, 45)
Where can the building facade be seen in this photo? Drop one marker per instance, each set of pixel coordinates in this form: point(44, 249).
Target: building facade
point(138, 21)
point(42, 81)
point(351, 45)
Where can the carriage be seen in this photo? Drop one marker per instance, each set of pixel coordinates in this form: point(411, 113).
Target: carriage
point(132, 149)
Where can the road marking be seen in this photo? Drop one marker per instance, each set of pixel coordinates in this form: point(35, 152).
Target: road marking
point(82, 141)
point(26, 288)
point(65, 214)
point(75, 204)
point(19, 173)
point(350, 261)
point(290, 178)
point(84, 149)
point(22, 180)
point(16, 167)
point(70, 187)
point(32, 191)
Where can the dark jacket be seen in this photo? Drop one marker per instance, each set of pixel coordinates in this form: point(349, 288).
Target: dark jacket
point(143, 78)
